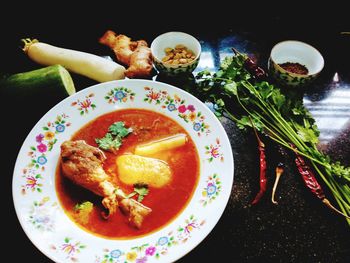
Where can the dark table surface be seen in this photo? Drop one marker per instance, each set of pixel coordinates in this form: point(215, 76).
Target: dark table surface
point(300, 228)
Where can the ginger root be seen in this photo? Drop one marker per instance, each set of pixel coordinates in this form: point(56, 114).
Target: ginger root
point(135, 54)
point(140, 61)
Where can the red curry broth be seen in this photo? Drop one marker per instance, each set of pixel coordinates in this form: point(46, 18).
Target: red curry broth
point(166, 203)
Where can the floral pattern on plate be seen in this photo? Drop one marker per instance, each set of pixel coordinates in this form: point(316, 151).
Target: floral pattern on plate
point(120, 94)
point(156, 249)
point(32, 181)
point(213, 150)
point(84, 105)
point(175, 103)
point(212, 189)
point(70, 249)
point(45, 141)
point(33, 174)
point(40, 215)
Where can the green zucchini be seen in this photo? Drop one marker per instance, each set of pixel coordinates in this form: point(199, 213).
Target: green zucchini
point(53, 82)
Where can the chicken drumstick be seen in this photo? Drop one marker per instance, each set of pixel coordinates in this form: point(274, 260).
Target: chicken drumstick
point(82, 164)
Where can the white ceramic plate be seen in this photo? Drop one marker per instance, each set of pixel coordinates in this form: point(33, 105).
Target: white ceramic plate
point(34, 194)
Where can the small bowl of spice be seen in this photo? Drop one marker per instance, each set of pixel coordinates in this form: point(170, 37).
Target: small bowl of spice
point(175, 53)
point(295, 63)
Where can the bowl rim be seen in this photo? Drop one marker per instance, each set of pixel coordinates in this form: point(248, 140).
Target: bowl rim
point(296, 74)
point(195, 40)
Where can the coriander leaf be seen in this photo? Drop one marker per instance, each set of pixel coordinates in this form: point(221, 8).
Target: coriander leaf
point(113, 139)
point(278, 98)
point(298, 108)
point(265, 89)
point(226, 62)
point(109, 142)
point(305, 133)
point(203, 73)
point(243, 122)
point(83, 211)
point(341, 171)
point(220, 103)
point(231, 88)
point(115, 144)
point(118, 129)
point(85, 206)
point(218, 107)
point(141, 190)
point(105, 142)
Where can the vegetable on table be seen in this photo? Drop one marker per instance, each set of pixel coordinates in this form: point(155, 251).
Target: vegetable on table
point(140, 61)
point(134, 54)
point(167, 143)
point(312, 184)
point(86, 64)
point(262, 177)
point(239, 93)
point(53, 81)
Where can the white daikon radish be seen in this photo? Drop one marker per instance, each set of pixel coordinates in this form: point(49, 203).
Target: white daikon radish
point(134, 169)
point(161, 145)
point(86, 64)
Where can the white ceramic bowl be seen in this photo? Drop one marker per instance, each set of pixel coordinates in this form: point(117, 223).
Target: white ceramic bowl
point(171, 39)
point(295, 52)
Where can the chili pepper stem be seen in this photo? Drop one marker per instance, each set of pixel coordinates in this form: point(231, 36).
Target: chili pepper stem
point(329, 205)
point(279, 171)
point(261, 144)
point(274, 189)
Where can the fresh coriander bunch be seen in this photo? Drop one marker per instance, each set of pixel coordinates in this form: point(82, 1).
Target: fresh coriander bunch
point(239, 91)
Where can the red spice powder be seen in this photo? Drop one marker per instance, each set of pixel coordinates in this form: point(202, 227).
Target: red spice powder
point(295, 68)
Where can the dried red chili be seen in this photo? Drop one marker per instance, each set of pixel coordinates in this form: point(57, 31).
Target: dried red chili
point(294, 68)
point(312, 183)
point(262, 176)
point(256, 71)
point(309, 178)
point(263, 180)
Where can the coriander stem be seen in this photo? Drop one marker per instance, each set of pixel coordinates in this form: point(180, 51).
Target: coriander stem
point(328, 183)
point(233, 118)
point(284, 126)
point(285, 144)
